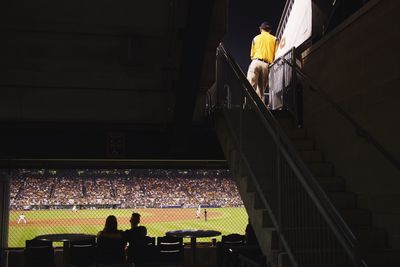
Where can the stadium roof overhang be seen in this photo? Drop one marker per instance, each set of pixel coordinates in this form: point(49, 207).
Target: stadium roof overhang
point(108, 79)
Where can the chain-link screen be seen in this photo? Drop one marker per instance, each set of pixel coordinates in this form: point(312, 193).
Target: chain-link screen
point(50, 201)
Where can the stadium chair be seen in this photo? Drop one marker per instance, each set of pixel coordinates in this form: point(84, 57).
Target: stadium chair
point(170, 251)
point(142, 252)
point(227, 249)
point(110, 251)
point(82, 252)
point(233, 240)
point(38, 253)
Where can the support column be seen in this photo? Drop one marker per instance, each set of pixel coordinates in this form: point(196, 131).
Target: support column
point(4, 212)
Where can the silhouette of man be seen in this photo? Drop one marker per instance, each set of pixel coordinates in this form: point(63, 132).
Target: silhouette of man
point(136, 232)
point(135, 237)
point(251, 238)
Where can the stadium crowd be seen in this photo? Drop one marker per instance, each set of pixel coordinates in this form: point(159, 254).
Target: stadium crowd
point(154, 188)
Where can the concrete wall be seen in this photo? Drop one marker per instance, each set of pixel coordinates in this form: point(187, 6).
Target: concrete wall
point(97, 61)
point(357, 66)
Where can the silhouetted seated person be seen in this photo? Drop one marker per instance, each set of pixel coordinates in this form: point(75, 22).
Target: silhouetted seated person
point(136, 238)
point(251, 238)
point(111, 243)
point(252, 249)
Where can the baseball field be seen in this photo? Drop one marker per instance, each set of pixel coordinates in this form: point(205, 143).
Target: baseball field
point(91, 221)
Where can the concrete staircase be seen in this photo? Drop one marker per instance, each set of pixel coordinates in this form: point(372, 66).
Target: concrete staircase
point(373, 240)
point(259, 218)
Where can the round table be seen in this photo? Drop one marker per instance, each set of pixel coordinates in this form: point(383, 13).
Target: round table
point(193, 234)
point(65, 237)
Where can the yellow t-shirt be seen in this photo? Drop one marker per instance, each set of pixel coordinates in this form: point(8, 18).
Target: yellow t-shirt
point(264, 47)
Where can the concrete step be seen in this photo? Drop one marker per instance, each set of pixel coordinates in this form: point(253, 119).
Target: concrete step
point(253, 200)
point(296, 133)
point(343, 200)
point(390, 220)
point(311, 156)
point(258, 204)
point(262, 219)
point(386, 258)
point(331, 183)
point(250, 187)
point(268, 240)
point(370, 238)
point(323, 169)
point(248, 201)
point(283, 260)
point(287, 124)
point(284, 118)
point(303, 144)
point(242, 185)
point(266, 219)
point(266, 233)
point(357, 217)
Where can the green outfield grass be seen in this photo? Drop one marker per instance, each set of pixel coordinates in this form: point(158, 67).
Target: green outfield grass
point(157, 221)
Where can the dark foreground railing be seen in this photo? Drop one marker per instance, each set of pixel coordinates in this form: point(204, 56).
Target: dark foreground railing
point(310, 229)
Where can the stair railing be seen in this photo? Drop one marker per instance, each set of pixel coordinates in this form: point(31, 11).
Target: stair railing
point(284, 18)
point(285, 92)
point(310, 229)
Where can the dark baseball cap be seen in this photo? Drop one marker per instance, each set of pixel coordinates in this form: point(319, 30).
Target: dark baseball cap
point(265, 26)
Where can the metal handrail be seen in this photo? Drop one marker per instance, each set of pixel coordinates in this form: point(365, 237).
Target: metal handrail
point(313, 189)
point(280, 27)
point(360, 131)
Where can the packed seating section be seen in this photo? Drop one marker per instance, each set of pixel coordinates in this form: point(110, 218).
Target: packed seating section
point(51, 189)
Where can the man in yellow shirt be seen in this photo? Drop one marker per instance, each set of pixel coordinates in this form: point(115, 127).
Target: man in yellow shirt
point(262, 54)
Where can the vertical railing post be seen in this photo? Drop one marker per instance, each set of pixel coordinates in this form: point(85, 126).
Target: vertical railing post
point(241, 123)
point(293, 85)
point(283, 84)
point(218, 76)
point(228, 99)
point(279, 192)
point(297, 98)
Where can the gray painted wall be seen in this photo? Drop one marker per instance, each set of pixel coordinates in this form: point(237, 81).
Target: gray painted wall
point(98, 61)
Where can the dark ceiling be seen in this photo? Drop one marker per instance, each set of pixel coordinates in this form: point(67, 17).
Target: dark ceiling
point(108, 79)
